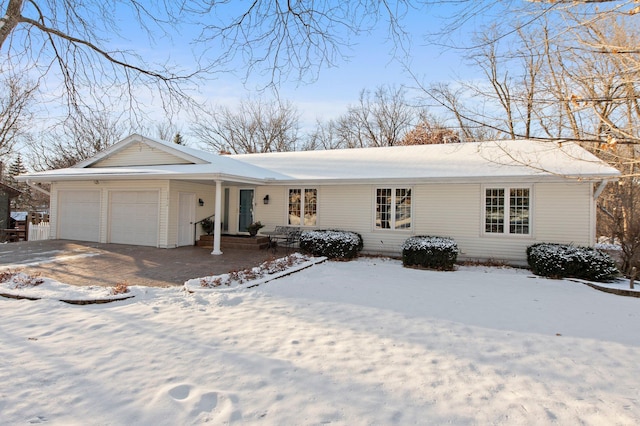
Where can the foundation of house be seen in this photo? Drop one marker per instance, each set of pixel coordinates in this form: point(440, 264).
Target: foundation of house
point(243, 242)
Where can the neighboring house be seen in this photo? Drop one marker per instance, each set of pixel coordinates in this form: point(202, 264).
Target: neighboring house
point(6, 194)
point(493, 198)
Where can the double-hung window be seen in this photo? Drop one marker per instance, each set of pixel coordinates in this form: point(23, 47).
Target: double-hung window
point(507, 211)
point(393, 208)
point(303, 206)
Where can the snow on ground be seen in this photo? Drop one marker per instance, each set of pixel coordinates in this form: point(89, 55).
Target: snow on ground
point(361, 342)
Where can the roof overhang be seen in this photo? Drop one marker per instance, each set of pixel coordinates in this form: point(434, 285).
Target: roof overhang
point(110, 174)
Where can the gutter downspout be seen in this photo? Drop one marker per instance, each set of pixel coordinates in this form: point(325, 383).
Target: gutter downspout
point(600, 188)
point(37, 188)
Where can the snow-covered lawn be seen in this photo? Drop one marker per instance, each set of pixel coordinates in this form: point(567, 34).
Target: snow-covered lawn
point(361, 342)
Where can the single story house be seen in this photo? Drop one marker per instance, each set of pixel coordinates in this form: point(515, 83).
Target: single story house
point(494, 198)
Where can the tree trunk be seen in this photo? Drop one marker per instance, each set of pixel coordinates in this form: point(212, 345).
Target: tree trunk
point(10, 19)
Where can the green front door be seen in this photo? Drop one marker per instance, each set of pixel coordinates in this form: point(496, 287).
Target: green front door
point(246, 209)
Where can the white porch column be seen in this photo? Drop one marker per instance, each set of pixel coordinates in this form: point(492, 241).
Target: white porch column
point(217, 227)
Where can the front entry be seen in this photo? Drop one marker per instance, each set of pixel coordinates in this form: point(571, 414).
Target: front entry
point(246, 209)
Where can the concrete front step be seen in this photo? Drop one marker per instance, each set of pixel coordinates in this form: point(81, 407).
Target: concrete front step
point(235, 242)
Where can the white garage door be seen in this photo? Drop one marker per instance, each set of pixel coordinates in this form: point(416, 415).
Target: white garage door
point(134, 218)
point(79, 215)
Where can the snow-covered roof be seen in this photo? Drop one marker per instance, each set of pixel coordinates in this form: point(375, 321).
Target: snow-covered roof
point(495, 159)
point(206, 165)
point(517, 159)
point(19, 215)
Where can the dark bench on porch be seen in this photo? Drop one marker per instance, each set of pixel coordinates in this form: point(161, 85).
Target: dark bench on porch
point(286, 236)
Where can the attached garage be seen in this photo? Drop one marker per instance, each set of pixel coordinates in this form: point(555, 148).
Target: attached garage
point(79, 215)
point(133, 217)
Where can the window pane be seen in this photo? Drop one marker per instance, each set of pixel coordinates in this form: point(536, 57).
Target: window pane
point(295, 196)
point(310, 206)
point(403, 208)
point(519, 211)
point(494, 211)
point(383, 208)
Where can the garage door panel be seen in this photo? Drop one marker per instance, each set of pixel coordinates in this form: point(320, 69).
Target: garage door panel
point(79, 215)
point(134, 217)
point(134, 197)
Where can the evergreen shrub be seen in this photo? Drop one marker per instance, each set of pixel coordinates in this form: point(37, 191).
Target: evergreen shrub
point(334, 244)
point(563, 261)
point(438, 253)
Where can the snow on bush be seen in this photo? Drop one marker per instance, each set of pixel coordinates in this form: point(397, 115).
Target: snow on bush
point(333, 244)
point(269, 267)
point(561, 260)
point(20, 279)
point(608, 246)
point(430, 252)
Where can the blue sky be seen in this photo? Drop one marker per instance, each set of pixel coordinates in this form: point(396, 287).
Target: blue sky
point(370, 65)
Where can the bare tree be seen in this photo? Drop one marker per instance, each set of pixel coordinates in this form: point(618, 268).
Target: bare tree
point(16, 97)
point(580, 82)
point(430, 131)
point(254, 126)
point(82, 45)
point(381, 118)
point(78, 139)
point(618, 212)
point(163, 130)
point(282, 38)
point(322, 137)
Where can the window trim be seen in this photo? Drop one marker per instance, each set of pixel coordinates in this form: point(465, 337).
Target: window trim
point(303, 200)
point(507, 208)
point(394, 207)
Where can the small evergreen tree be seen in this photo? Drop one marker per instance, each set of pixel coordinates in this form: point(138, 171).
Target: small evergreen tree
point(23, 201)
point(178, 139)
point(16, 168)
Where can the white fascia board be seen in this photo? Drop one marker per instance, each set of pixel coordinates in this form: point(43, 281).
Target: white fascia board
point(439, 180)
point(103, 176)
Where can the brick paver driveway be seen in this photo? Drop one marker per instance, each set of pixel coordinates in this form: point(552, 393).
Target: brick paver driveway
point(82, 263)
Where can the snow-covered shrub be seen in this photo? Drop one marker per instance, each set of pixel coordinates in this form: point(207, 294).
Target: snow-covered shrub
point(269, 267)
point(121, 287)
point(561, 260)
point(20, 279)
point(430, 252)
point(333, 244)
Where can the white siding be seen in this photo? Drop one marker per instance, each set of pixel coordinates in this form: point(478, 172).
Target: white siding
point(560, 212)
point(205, 192)
point(274, 213)
point(140, 154)
point(564, 213)
point(452, 210)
